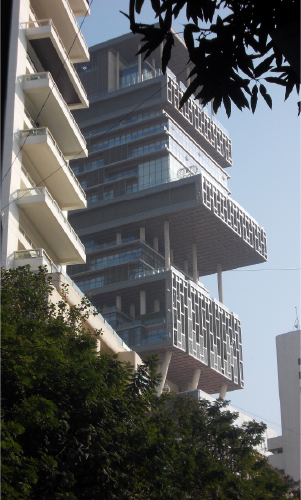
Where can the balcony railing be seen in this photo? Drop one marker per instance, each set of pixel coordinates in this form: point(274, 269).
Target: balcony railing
point(27, 238)
point(47, 75)
point(48, 22)
point(23, 193)
point(34, 69)
point(33, 184)
point(35, 253)
point(46, 131)
point(28, 115)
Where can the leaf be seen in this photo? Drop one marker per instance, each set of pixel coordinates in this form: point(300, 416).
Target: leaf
point(266, 96)
point(264, 66)
point(254, 98)
point(227, 104)
point(139, 4)
point(289, 88)
point(274, 79)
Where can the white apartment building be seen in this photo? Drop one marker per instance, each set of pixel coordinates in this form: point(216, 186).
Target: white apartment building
point(286, 448)
point(40, 137)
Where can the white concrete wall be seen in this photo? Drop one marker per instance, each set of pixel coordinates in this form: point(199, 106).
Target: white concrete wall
point(288, 356)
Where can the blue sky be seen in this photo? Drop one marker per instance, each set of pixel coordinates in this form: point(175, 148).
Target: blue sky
point(265, 181)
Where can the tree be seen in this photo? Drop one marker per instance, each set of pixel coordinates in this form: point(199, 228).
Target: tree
point(235, 46)
point(79, 425)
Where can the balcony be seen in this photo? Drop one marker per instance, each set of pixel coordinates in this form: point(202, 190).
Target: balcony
point(53, 56)
point(42, 94)
point(51, 225)
point(63, 17)
point(80, 8)
point(47, 162)
point(35, 258)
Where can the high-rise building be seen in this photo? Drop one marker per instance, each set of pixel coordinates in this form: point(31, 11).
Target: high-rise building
point(286, 448)
point(160, 216)
point(40, 137)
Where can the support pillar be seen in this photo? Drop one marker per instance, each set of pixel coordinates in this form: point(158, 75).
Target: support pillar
point(132, 311)
point(118, 238)
point(117, 69)
point(142, 302)
point(156, 305)
point(142, 233)
point(164, 370)
point(186, 266)
point(139, 64)
point(118, 302)
point(167, 244)
point(223, 391)
point(195, 380)
point(220, 284)
point(195, 264)
point(156, 244)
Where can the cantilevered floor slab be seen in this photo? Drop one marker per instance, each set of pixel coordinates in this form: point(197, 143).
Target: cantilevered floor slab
point(44, 100)
point(48, 165)
point(197, 212)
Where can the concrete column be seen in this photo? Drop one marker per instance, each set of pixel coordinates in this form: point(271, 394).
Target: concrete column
point(220, 283)
point(171, 255)
point(156, 244)
point(139, 64)
point(188, 79)
point(142, 233)
point(186, 266)
point(195, 379)
point(195, 264)
point(161, 52)
point(142, 302)
point(223, 391)
point(132, 311)
point(118, 302)
point(167, 244)
point(118, 238)
point(164, 370)
point(117, 69)
point(156, 305)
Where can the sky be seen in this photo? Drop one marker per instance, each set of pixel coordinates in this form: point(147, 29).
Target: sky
point(265, 181)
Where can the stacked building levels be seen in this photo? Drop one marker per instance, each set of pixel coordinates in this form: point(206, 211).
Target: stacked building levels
point(160, 216)
point(40, 137)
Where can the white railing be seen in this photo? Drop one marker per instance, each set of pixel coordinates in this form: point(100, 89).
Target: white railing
point(78, 31)
point(35, 253)
point(28, 115)
point(45, 75)
point(48, 22)
point(27, 238)
point(23, 193)
point(46, 131)
point(28, 176)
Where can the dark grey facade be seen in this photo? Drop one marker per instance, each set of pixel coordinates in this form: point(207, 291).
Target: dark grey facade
point(160, 216)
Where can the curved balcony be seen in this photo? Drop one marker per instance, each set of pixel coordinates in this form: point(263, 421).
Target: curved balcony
point(53, 56)
point(51, 226)
point(60, 11)
point(42, 94)
point(48, 162)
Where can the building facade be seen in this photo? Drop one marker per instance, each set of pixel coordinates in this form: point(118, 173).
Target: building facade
point(40, 137)
point(160, 216)
point(286, 448)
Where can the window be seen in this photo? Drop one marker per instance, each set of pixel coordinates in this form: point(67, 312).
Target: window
point(299, 361)
point(131, 187)
point(108, 194)
point(83, 184)
point(92, 198)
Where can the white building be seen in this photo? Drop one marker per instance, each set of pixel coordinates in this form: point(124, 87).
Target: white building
point(40, 137)
point(286, 448)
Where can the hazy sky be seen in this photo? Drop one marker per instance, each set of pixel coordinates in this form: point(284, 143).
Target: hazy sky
point(265, 181)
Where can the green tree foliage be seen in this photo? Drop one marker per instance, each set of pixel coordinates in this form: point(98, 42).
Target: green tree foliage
point(233, 46)
point(79, 425)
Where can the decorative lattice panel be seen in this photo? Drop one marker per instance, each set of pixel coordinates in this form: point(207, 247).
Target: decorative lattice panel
point(234, 216)
point(200, 120)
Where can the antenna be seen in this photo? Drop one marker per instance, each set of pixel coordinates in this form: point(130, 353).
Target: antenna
point(296, 324)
